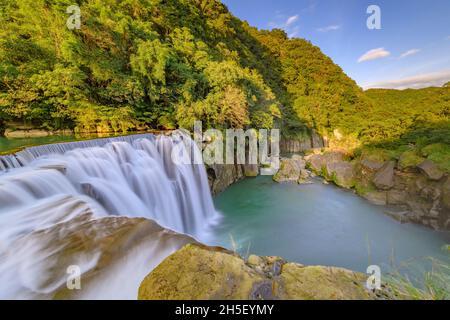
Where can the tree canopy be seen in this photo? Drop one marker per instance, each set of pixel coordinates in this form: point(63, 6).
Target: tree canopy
point(166, 63)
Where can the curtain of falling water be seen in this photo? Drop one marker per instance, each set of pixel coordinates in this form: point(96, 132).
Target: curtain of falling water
point(130, 176)
point(134, 177)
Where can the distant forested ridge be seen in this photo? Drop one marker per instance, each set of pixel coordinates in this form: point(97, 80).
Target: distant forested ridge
point(163, 64)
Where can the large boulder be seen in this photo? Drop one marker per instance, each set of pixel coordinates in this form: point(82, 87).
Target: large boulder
point(290, 169)
point(317, 162)
point(341, 173)
point(202, 273)
point(384, 178)
point(431, 170)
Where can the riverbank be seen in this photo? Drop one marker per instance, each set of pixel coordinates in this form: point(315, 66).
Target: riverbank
point(421, 192)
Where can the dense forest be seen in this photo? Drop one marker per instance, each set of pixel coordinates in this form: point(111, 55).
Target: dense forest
point(137, 64)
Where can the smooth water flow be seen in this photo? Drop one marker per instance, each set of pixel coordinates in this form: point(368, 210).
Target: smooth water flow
point(131, 176)
point(318, 224)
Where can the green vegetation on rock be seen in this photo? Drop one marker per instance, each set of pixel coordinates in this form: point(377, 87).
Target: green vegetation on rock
point(198, 272)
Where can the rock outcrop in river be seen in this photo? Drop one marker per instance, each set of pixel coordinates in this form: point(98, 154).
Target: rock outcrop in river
point(292, 170)
point(202, 273)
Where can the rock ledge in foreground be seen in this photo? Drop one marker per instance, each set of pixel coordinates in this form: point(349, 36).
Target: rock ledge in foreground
point(197, 272)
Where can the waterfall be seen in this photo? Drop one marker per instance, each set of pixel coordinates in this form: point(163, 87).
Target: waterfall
point(47, 187)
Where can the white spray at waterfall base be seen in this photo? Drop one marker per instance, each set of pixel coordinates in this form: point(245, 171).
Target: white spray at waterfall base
point(89, 204)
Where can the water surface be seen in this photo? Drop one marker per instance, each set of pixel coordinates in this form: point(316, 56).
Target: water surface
point(320, 224)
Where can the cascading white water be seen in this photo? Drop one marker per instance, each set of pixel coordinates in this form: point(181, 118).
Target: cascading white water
point(133, 176)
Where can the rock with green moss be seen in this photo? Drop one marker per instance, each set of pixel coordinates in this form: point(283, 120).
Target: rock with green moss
point(317, 162)
point(290, 170)
point(409, 159)
point(199, 272)
point(341, 173)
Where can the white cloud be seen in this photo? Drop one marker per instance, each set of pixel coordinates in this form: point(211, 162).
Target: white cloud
point(448, 38)
point(291, 20)
point(329, 28)
point(409, 53)
point(435, 79)
point(374, 54)
point(289, 25)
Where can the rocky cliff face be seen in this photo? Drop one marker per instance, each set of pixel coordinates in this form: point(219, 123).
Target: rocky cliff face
point(201, 273)
point(221, 176)
point(313, 141)
point(421, 192)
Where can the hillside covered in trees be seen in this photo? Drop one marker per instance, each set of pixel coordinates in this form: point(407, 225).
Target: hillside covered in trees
point(138, 64)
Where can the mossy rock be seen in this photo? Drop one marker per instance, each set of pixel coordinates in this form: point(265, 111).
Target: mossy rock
point(409, 159)
point(198, 272)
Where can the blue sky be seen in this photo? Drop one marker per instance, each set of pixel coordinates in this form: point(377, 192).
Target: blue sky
point(412, 48)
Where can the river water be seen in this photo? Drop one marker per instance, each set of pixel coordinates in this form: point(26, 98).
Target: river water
point(318, 224)
point(46, 188)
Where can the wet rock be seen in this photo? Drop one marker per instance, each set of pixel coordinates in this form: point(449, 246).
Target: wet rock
point(376, 197)
point(400, 216)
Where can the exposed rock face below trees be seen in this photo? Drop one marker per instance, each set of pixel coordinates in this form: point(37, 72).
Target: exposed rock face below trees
point(199, 272)
point(308, 142)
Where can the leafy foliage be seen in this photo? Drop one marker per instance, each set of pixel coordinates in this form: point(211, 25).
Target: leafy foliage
point(166, 63)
